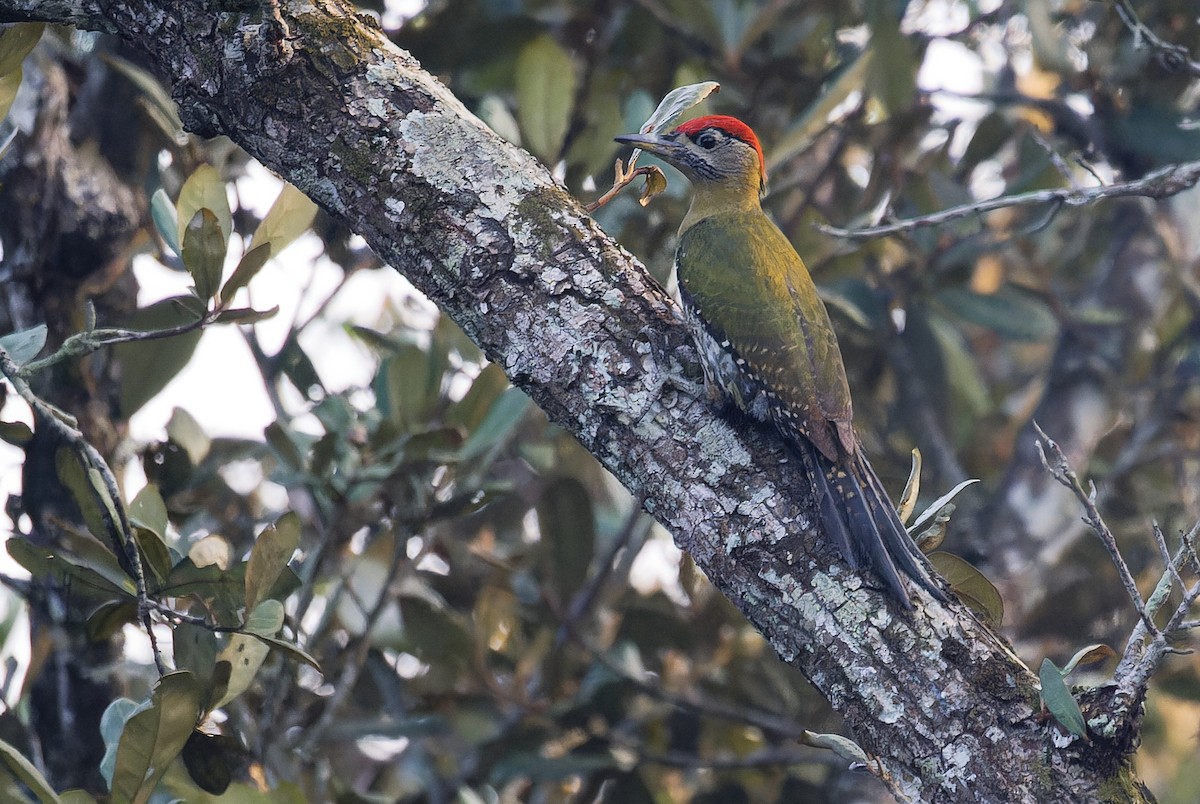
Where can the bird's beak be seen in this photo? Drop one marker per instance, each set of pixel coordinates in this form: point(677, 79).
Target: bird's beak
point(666, 147)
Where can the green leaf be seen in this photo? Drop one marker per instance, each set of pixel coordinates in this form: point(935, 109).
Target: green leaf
point(971, 586)
point(204, 189)
point(501, 420)
point(819, 114)
point(289, 217)
point(292, 650)
point(24, 346)
point(166, 221)
point(85, 552)
point(266, 619)
point(568, 530)
point(16, 43)
point(160, 107)
point(110, 617)
point(269, 557)
point(154, 737)
point(479, 398)
point(42, 562)
point(112, 724)
point(151, 364)
point(245, 653)
point(148, 510)
point(545, 85)
point(248, 266)
point(245, 315)
point(1059, 701)
point(210, 758)
point(91, 494)
point(9, 84)
point(16, 433)
point(962, 373)
point(1010, 312)
point(27, 774)
point(408, 383)
point(156, 556)
point(892, 70)
point(204, 253)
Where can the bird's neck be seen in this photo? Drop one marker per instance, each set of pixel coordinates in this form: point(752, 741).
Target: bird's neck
point(720, 199)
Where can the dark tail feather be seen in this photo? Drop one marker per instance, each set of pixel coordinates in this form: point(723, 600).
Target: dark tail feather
point(865, 528)
point(900, 546)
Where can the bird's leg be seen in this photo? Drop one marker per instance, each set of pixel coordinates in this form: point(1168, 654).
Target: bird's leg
point(680, 370)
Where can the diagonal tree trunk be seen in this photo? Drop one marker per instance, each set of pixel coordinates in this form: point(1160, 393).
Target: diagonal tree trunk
point(480, 227)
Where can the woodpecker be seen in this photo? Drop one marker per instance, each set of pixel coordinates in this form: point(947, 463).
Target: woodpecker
point(766, 342)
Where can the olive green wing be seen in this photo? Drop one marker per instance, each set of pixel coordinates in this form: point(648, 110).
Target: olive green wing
point(752, 289)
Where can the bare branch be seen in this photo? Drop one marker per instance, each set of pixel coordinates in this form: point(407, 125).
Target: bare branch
point(120, 529)
point(1173, 58)
point(1162, 183)
point(1064, 474)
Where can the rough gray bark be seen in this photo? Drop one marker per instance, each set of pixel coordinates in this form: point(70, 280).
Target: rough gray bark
point(483, 230)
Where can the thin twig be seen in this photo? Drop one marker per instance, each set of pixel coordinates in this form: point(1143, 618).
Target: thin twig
point(622, 180)
point(1165, 554)
point(1162, 183)
point(1064, 474)
point(121, 532)
point(1172, 57)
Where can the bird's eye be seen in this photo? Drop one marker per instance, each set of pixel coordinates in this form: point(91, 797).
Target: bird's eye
point(707, 140)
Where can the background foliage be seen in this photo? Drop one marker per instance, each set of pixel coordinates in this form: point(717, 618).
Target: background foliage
point(461, 570)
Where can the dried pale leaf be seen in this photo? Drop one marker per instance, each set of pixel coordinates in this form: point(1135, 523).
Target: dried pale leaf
point(204, 189)
point(912, 489)
point(1089, 655)
point(289, 217)
point(842, 746)
point(656, 183)
point(184, 430)
point(675, 103)
point(939, 503)
point(932, 537)
point(212, 549)
point(670, 108)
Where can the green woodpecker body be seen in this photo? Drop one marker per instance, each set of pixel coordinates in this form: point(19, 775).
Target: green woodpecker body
point(767, 344)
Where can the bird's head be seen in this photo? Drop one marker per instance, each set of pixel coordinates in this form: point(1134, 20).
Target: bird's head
point(712, 151)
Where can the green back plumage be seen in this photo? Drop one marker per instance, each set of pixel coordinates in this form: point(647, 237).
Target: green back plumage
point(750, 287)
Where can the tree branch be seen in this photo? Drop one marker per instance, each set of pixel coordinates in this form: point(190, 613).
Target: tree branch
point(484, 231)
point(1162, 183)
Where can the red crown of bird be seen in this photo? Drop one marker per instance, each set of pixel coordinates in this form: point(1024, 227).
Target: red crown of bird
point(733, 128)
